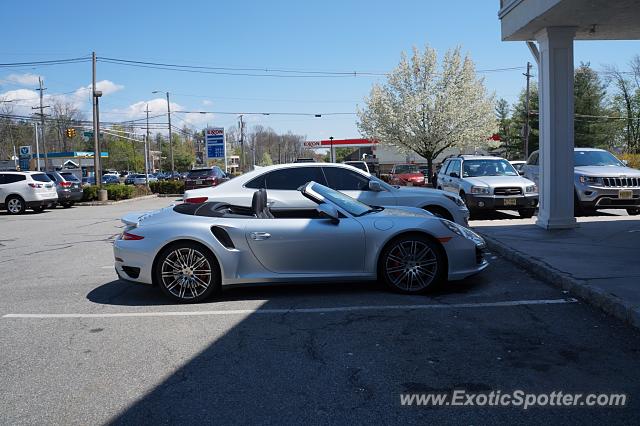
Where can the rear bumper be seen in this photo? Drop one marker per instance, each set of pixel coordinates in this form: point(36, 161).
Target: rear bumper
point(496, 202)
point(50, 202)
point(65, 196)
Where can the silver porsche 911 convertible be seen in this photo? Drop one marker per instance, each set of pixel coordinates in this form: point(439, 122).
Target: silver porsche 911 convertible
point(191, 250)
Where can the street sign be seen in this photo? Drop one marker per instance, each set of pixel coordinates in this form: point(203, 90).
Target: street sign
point(25, 151)
point(214, 141)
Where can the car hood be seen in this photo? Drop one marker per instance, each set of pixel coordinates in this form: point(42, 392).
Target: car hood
point(607, 171)
point(494, 181)
point(402, 212)
point(416, 190)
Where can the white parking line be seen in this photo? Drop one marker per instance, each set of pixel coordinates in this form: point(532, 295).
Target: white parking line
point(302, 310)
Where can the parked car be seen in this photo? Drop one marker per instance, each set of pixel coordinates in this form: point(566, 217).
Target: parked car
point(106, 179)
point(601, 181)
point(142, 179)
point(519, 166)
point(407, 175)
point(191, 250)
point(130, 178)
point(68, 186)
point(488, 183)
point(110, 178)
point(282, 182)
point(362, 165)
point(26, 190)
point(206, 177)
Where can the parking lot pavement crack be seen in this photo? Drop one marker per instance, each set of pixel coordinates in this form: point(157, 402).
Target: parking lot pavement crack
point(51, 249)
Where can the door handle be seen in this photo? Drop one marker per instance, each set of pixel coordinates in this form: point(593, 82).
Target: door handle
point(259, 236)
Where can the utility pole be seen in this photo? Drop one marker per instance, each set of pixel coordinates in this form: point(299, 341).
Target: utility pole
point(241, 162)
point(148, 144)
point(35, 133)
point(173, 169)
point(96, 124)
point(526, 130)
point(42, 126)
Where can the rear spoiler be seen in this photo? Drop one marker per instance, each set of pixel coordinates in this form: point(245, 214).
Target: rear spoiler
point(132, 219)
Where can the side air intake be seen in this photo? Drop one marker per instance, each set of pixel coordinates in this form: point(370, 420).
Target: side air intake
point(222, 236)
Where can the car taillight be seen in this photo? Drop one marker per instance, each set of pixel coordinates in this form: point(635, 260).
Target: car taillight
point(196, 200)
point(65, 184)
point(35, 185)
point(130, 236)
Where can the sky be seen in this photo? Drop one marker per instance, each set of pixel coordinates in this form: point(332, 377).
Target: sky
point(337, 36)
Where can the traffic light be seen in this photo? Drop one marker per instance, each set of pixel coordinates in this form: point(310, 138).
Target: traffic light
point(71, 132)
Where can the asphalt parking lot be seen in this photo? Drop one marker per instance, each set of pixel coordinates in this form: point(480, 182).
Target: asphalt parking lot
point(78, 346)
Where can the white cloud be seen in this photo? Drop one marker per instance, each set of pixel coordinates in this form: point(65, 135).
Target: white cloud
point(106, 86)
point(26, 79)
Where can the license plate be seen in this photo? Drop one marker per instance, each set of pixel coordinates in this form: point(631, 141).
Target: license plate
point(510, 202)
point(198, 181)
point(625, 194)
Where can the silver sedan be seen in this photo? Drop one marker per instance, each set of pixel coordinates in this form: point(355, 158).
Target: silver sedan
point(191, 250)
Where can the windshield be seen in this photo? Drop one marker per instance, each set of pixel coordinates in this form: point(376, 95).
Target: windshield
point(406, 168)
point(595, 158)
point(40, 177)
point(200, 173)
point(354, 207)
point(476, 168)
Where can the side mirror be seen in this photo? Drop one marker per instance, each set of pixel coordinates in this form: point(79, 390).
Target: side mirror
point(521, 172)
point(454, 175)
point(328, 211)
point(375, 186)
point(625, 162)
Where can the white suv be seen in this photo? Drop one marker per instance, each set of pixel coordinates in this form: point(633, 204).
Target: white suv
point(26, 190)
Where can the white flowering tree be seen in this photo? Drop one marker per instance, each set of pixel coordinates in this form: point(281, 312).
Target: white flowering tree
point(426, 108)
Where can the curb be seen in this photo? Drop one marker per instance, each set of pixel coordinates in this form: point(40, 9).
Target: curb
point(170, 195)
point(111, 202)
point(595, 296)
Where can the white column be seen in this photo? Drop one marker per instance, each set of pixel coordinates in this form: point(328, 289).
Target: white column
point(555, 81)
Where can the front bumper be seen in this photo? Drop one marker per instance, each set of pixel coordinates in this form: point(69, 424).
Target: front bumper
point(601, 197)
point(498, 202)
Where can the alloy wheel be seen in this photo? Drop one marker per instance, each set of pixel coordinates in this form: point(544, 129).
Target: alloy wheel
point(411, 265)
point(14, 206)
point(186, 273)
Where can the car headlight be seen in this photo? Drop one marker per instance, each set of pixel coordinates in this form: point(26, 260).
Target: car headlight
point(464, 232)
point(589, 179)
point(456, 199)
point(531, 189)
point(480, 190)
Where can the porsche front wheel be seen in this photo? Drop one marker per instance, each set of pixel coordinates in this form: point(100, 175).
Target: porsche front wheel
point(187, 272)
point(412, 264)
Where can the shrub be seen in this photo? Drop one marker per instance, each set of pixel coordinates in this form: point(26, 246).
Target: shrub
point(633, 160)
point(167, 187)
point(90, 193)
point(118, 191)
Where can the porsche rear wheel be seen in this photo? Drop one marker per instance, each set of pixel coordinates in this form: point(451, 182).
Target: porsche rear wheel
point(412, 264)
point(187, 272)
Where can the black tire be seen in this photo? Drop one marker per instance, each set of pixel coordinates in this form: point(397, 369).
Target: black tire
point(38, 209)
point(15, 204)
point(412, 264)
point(67, 205)
point(526, 213)
point(439, 212)
point(177, 262)
point(633, 212)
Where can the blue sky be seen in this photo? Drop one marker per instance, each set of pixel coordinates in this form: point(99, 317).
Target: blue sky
point(325, 35)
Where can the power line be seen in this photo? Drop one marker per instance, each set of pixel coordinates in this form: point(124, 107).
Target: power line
point(46, 63)
point(308, 114)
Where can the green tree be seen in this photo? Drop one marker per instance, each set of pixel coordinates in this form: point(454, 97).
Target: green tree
point(266, 159)
point(519, 113)
point(590, 128)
